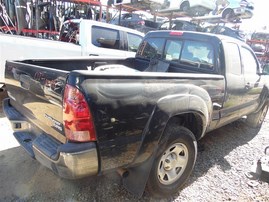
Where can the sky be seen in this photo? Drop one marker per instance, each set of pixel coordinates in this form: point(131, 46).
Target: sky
point(260, 17)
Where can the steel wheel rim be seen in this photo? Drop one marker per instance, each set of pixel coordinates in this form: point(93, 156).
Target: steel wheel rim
point(172, 163)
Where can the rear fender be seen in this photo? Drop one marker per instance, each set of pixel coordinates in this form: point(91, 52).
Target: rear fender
point(166, 108)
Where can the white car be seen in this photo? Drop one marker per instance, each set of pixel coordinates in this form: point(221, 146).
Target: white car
point(234, 9)
point(191, 7)
point(78, 38)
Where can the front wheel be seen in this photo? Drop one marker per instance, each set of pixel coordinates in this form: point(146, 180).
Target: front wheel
point(255, 120)
point(174, 162)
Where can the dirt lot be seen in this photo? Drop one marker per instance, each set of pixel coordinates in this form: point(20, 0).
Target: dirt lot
point(219, 175)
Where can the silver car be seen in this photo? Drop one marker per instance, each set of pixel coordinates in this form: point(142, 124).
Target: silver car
point(191, 7)
point(231, 9)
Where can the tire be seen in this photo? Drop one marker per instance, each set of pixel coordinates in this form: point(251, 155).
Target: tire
point(255, 120)
point(185, 6)
point(173, 163)
point(228, 15)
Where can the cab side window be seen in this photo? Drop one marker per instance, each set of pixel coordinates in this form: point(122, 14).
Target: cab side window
point(249, 62)
point(133, 42)
point(105, 37)
point(233, 63)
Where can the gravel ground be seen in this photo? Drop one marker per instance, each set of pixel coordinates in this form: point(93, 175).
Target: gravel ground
point(224, 157)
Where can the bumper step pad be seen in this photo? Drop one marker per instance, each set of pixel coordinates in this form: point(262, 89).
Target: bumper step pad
point(10, 112)
point(47, 145)
point(26, 139)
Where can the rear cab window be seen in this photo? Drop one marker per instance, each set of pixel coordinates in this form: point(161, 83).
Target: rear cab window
point(188, 54)
point(151, 48)
point(198, 54)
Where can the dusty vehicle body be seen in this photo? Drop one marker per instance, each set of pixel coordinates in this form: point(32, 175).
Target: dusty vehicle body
point(141, 116)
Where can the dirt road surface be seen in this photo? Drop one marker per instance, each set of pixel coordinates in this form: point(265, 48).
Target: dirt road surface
point(224, 156)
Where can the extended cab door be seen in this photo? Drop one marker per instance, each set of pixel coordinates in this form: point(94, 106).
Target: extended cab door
point(242, 82)
point(253, 87)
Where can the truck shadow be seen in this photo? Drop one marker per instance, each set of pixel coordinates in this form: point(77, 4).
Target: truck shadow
point(26, 179)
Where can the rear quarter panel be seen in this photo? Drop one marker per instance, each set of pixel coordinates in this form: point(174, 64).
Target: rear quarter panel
point(123, 107)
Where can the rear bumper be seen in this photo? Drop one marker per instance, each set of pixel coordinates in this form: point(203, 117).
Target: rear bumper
point(71, 164)
point(69, 160)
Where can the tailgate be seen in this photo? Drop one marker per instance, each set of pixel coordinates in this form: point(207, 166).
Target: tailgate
point(36, 92)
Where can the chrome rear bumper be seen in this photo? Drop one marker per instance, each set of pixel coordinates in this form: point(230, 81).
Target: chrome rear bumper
point(69, 160)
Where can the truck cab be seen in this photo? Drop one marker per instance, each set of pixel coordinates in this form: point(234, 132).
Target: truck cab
point(100, 38)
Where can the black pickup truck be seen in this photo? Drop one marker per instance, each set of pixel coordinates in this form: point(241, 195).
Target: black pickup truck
point(140, 116)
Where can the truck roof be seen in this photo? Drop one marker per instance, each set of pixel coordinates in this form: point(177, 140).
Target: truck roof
point(93, 22)
point(192, 34)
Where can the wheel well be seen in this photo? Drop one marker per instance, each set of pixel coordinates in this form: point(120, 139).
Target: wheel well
point(191, 121)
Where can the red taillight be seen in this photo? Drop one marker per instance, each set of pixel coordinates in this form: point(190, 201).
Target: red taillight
point(77, 118)
point(141, 22)
point(176, 33)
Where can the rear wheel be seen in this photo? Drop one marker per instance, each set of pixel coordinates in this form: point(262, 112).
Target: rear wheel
point(174, 162)
point(255, 120)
